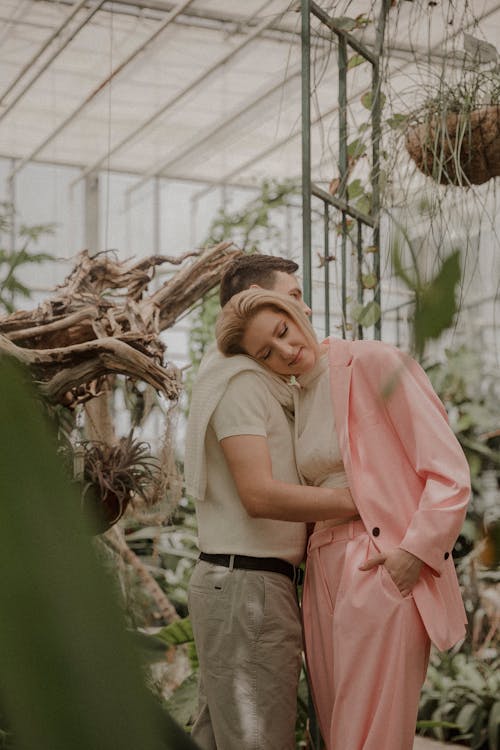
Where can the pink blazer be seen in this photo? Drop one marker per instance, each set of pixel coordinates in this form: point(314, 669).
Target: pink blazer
point(408, 474)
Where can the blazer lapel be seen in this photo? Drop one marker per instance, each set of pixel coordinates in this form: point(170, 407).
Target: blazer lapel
point(340, 384)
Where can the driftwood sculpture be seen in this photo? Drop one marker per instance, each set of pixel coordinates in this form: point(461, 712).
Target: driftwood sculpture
point(103, 320)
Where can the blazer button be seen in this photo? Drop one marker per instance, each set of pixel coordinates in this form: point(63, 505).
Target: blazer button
point(446, 555)
point(376, 531)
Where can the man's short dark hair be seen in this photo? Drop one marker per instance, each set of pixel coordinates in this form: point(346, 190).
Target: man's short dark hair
point(253, 269)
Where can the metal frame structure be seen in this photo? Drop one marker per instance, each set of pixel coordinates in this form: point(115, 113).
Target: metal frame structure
point(175, 12)
point(341, 202)
point(179, 8)
point(251, 28)
point(139, 130)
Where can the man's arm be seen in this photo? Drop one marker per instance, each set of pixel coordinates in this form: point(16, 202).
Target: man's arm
point(250, 464)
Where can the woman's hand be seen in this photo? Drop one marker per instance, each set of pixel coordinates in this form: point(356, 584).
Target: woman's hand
point(403, 567)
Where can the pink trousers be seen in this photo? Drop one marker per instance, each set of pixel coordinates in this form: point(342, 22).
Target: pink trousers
point(366, 647)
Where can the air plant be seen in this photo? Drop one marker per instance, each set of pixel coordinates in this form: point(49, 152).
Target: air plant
point(114, 476)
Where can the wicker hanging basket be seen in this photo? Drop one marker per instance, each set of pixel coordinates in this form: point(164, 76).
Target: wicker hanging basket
point(458, 149)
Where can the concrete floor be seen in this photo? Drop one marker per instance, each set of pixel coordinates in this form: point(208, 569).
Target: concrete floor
point(422, 743)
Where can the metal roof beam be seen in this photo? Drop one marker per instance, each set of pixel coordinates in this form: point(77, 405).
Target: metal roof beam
point(274, 147)
point(170, 161)
point(297, 131)
point(12, 20)
point(102, 85)
point(129, 172)
point(42, 49)
point(204, 14)
point(171, 102)
point(51, 59)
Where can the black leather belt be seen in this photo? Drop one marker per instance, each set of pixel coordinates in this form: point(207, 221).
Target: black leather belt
point(270, 564)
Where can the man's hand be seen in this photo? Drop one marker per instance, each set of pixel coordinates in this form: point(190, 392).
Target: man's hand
point(404, 568)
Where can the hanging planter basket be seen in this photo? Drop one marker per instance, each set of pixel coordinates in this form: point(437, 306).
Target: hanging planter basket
point(457, 148)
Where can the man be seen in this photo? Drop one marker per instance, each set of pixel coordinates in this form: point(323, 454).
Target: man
point(242, 597)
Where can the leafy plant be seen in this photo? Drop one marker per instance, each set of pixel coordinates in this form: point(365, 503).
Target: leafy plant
point(460, 700)
point(434, 299)
point(70, 677)
point(12, 261)
point(470, 391)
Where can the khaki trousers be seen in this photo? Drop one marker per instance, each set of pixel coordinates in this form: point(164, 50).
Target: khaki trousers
point(248, 638)
point(366, 646)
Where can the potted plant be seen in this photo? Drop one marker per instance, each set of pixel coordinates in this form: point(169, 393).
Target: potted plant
point(113, 475)
point(454, 136)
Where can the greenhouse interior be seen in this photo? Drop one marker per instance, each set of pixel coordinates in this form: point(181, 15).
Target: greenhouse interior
point(146, 147)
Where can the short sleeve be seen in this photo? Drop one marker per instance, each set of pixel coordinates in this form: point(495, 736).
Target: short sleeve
point(243, 409)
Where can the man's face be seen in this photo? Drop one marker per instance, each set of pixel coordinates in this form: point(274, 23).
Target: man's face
point(286, 283)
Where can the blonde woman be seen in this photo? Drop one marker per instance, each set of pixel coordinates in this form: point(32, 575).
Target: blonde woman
point(379, 588)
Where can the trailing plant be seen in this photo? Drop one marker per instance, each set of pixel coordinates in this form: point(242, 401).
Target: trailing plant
point(454, 135)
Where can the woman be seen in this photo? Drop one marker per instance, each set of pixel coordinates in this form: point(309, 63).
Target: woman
point(378, 589)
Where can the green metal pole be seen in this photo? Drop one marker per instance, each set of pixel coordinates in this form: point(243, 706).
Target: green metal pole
point(326, 245)
point(343, 194)
point(306, 224)
point(360, 272)
point(306, 151)
point(375, 176)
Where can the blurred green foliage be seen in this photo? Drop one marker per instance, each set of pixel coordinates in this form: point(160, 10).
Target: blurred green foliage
point(70, 676)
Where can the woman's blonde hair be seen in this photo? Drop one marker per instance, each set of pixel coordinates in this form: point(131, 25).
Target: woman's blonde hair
point(243, 307)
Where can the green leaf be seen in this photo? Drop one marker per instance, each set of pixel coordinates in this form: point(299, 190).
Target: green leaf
point(466, 716)
point(364, 203)
point(354, 61)
point(35, 231)
point(355, 189)
point(345, 23)
point(436, 304)
point(183, 702)
point(369, 281)
point(69, 678)
point(368, 315)
point(397, 122)
point(356, 149)
point(368, 99)
point(177, 632)
point(14, 286)
point(494, 727)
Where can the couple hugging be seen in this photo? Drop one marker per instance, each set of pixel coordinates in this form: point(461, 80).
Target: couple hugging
point(350, 464)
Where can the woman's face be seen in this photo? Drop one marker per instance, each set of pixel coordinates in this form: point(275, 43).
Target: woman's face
point(274, 339)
